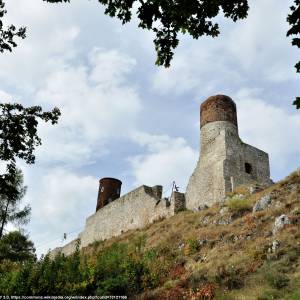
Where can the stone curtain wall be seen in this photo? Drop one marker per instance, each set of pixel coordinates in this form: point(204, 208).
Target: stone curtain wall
point(134, 210)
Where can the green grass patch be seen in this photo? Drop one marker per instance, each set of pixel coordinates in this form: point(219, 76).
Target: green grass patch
point(237, 205)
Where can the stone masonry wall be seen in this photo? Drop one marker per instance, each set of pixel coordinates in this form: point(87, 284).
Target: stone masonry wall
point(221, 166)
point(131, 211)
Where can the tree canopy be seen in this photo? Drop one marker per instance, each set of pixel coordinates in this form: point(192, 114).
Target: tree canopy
point(294, 21)
point(15, 246)
point(10, 210)
point(7, 35)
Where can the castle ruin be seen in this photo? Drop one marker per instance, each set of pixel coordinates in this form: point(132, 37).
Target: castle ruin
point(225, 162)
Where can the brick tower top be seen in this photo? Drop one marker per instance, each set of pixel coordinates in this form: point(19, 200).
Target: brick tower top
point(218, 108)
point(109, 190)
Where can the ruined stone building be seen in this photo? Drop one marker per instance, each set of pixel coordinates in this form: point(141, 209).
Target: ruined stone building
point(225, 162)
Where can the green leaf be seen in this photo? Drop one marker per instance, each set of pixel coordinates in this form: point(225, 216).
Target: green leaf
point(297, 102)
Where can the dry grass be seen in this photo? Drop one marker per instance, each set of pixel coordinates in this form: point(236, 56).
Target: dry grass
point(237, 251)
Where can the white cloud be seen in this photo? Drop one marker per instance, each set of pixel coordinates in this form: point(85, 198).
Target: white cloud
point(40, 53)
point(109, 67)
point(60, 201)
point(269, 127)
point(253, 48)
point(96, 105)
point(259, 43)
point(5, 97)
point(166, 160)
point(192, 71)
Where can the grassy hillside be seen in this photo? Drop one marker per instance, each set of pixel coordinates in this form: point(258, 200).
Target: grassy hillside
point(223, 252)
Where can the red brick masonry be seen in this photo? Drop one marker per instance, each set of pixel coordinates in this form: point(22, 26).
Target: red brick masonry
point(218, 108)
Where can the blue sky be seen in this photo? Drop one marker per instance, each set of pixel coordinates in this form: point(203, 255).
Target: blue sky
point(124, 117)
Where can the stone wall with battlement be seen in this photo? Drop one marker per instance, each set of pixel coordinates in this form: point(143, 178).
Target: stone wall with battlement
point(225, 163)
point(134, 210)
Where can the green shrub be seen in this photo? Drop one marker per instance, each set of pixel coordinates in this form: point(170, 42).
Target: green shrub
point(295, 295)
point(277, 280)
point(127, 269)
point(60, 276)
point(197, 278)
point(229, 277)
point(192, 246)
point(121, 269)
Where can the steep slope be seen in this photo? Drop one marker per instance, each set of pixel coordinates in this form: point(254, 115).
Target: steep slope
point(226, 251)
point(245, 248)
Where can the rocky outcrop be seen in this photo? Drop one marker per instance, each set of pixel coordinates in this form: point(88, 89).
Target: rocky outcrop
point(280, 222)
point(262, 203)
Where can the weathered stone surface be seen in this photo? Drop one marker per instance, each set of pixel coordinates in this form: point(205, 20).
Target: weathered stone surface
point(280, 222)
point(262, 203)
point(273, 247)
point(223, 221)
point(202, 207)
point(178, 201)
point(218, 108)
point(224, 210)
point(134, 210)
point(225, 162)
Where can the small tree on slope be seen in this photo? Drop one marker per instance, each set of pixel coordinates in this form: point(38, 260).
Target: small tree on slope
point(10, 210)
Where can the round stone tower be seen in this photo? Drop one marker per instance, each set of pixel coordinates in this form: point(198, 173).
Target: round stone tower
point(225, 161)
point(217, 115)
point(109, 190)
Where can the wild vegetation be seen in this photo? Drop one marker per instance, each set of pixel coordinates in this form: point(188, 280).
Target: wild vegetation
point(223, 252)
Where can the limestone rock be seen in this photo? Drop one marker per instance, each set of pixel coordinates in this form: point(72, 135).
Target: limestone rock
point(181, 245)
point(275, 245)
point(280, 222)
point(202, 207)
point(223, 221)
point(224, 210)
point(206, 220)
point(254, 189)
point(262, 203)
point(273, 249)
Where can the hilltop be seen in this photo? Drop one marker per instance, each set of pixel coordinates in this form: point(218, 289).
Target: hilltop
point(228, 251)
